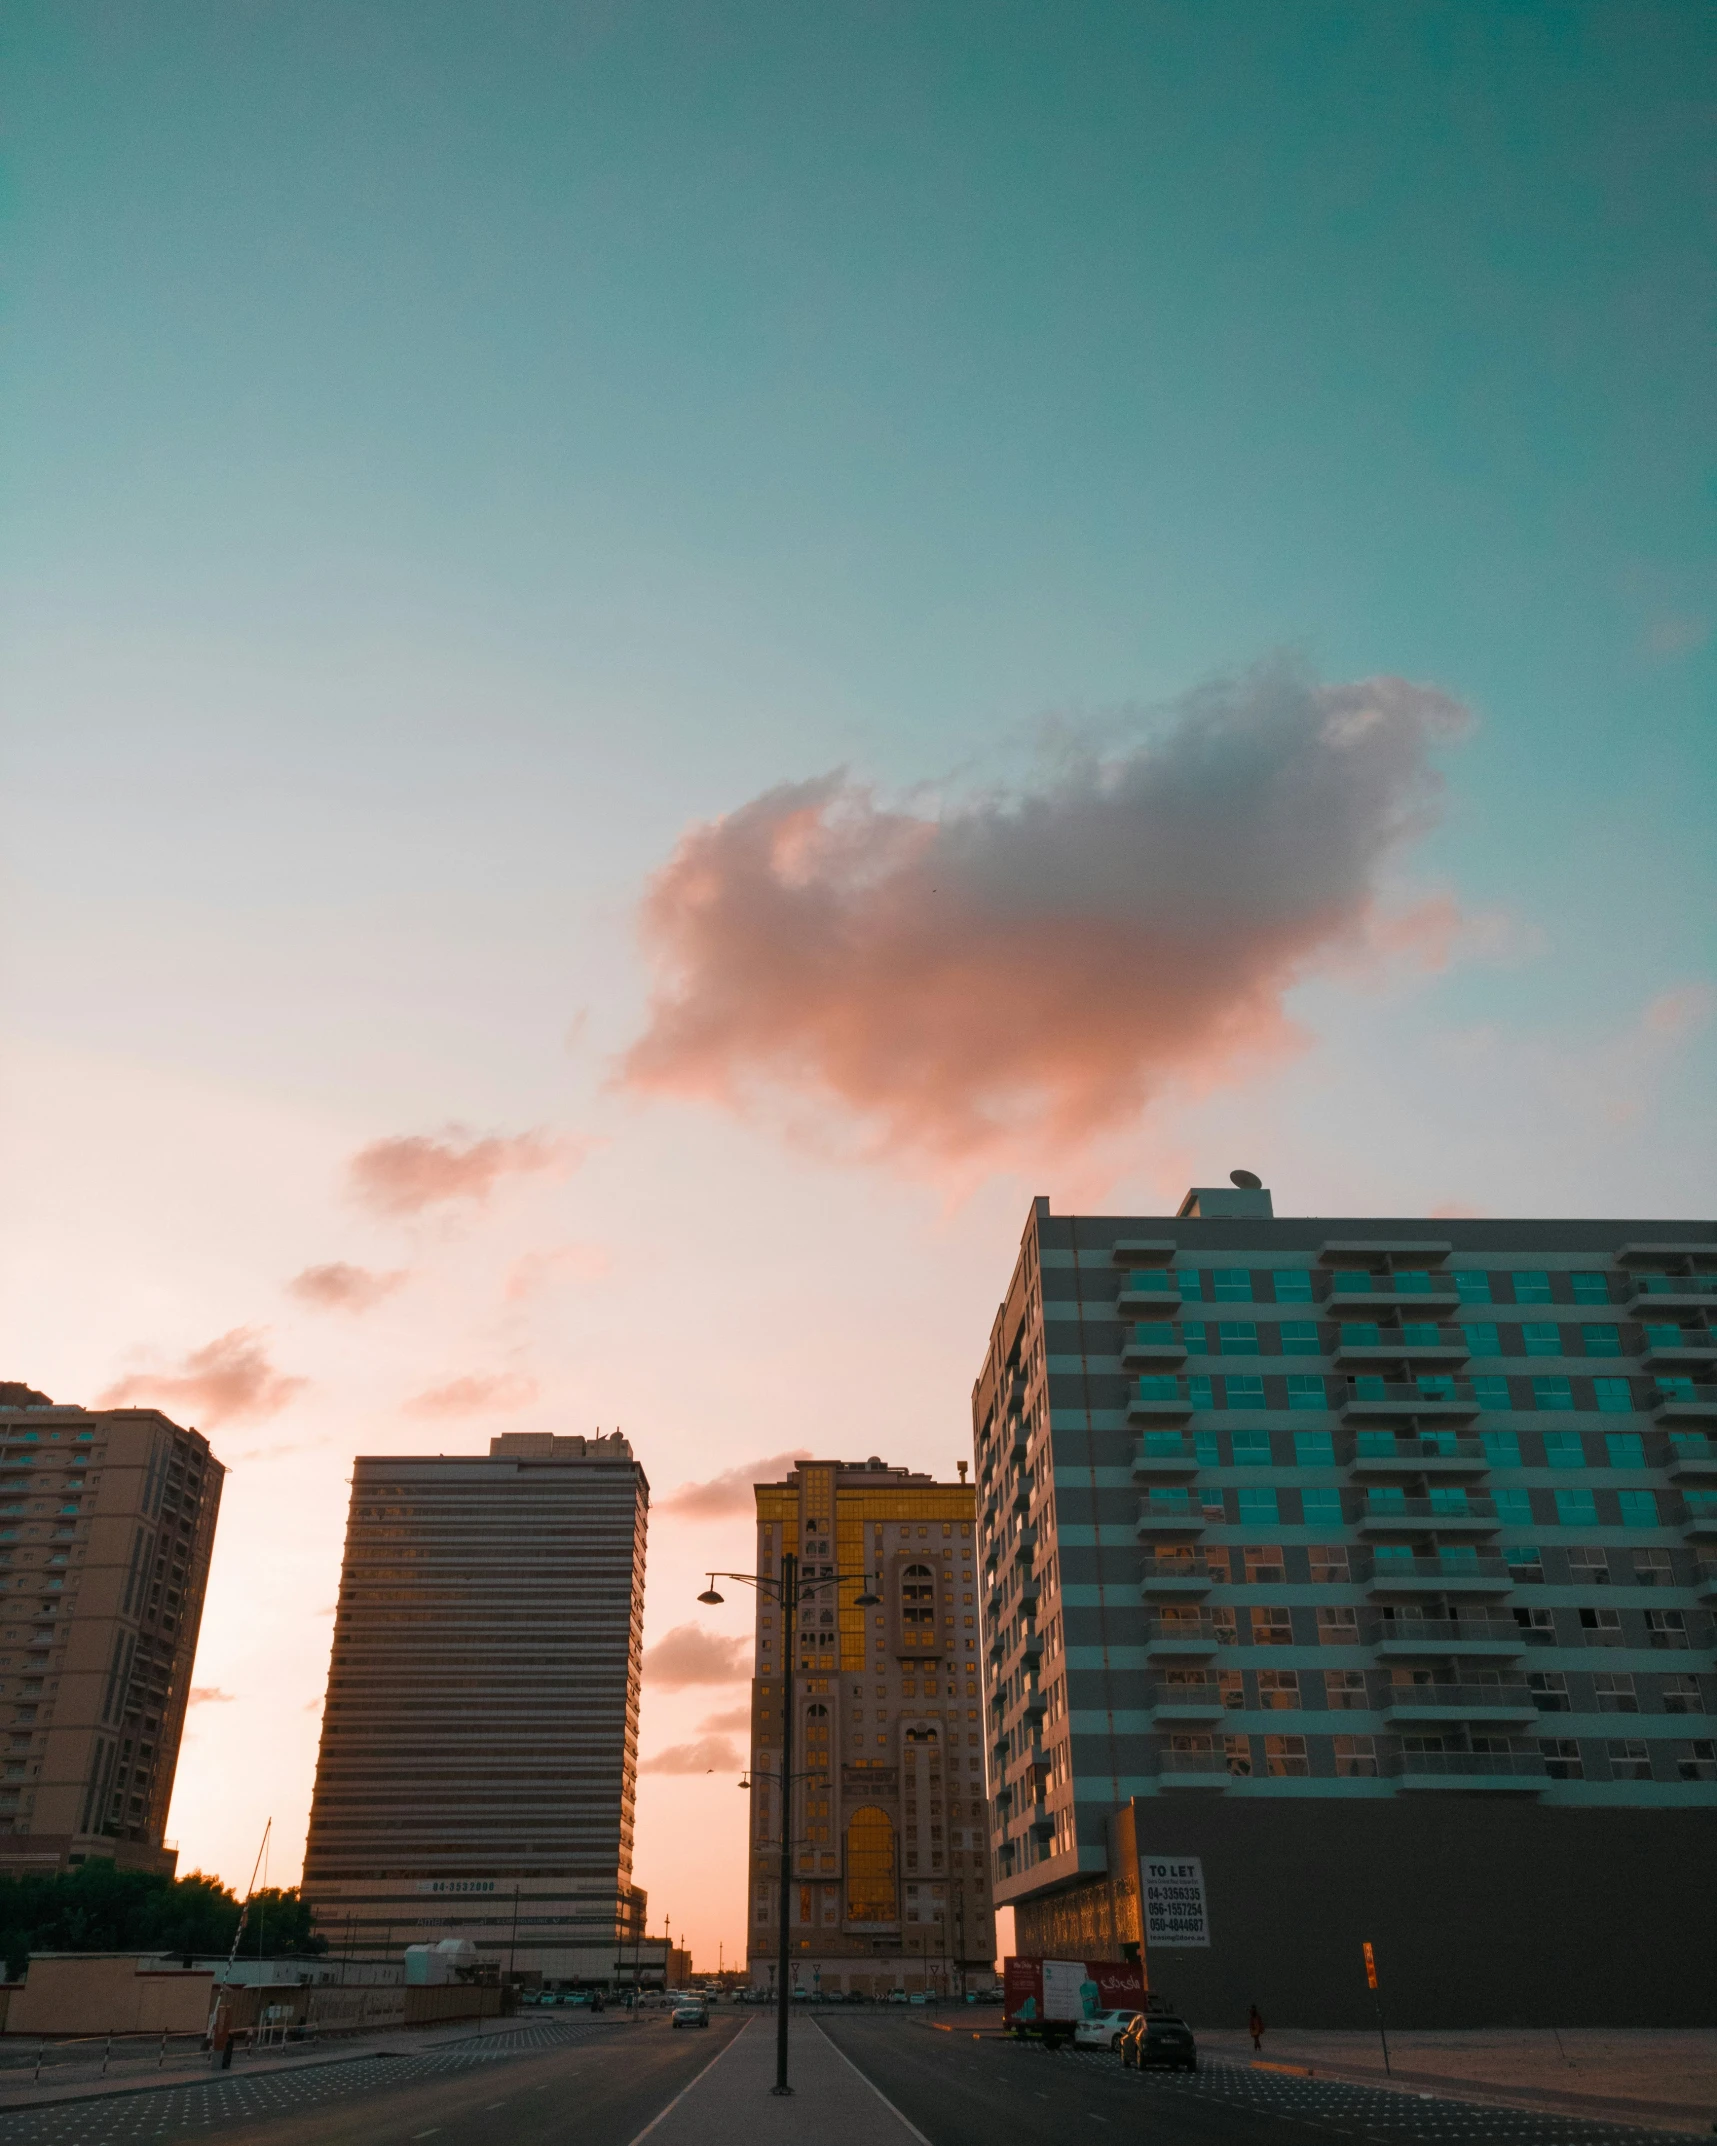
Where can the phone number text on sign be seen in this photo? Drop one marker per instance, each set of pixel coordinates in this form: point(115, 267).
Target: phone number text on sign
point(1175, 1911)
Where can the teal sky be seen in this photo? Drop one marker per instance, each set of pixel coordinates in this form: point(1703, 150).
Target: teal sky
point(450, 449)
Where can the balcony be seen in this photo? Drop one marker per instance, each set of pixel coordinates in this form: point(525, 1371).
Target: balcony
point(1487, 1638)
point(1701, 1522)
point(1192, 1636)
point(1160, 1400)
point(1443, 1456)
point(1695, 1351)
point(1498, 1772)
point(1143, 1251)
point(1657, 1296)
point(1164, 1457)
point(1375, 1348)
point(1432, 1400)
point(1159, 1293)
point(1705, 1582)
point(1692, 1404)
point(1409, 1706)
point(1144, 1349)
point(1171, 1578)
point(1178, 1705)
point(1192, 1769)
point(1473, 1518)
point(1375, 1251)
point(1692, 1459)
point(1350, 1294)
point(1475, 1576)
point(1169, 1516)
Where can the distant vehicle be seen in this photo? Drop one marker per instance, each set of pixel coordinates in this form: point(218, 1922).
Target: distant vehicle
point(1157, 2041)
point(1102, 2031)
point(897, 1997)
point(693, 2013)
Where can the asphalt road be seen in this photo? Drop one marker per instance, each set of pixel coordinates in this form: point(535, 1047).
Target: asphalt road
point(957, 2091)
point(596, 2084)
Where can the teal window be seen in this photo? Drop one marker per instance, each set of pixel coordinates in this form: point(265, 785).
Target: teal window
point(1435, 1389)
point(1492, 1393)
point(1591, 1289)
point(1525, 1561)
point(1237, 1337)
point(1304, 1391)
point(1639, 1508)
point(1664, 1337)
point(1196, 1337)
point(1564, 1449)
point(1419, 1334)
point(1448, 1498)
point(1400, 1552)
point(1473, 1288)
point(1152, 1282)
point(1155, 1334)
point(1321, 1508)
point(1191, 1284)
point(1233, 1285)
point(1601, 1340)
point(1481, 1340)
point(1412, 1283)
point(1514, 1506)
point(1159, 1388)
point(1552, 1393)
point(1314, 1449)
point(1244, 1392)
point(1656, 1285)
point(1359, 1337)
point(1182, 1499)
point(1625, 1448)
point(1676, 1389)
point(1251, 1449)
point(1541, 1340)
point(1531, 1288)
point(1386, 1498)
point(1200, 1393)
point(1369, 1389)
point(1299, 1337)
point(1501, 1448)
point(1376, 1445)
point(1576, 1508)
point(1257, 1506)
point(1354, 1280)
point(1293, 1287)
point(1204, 1443)
point(1690, 1445)
point(1165, 1444)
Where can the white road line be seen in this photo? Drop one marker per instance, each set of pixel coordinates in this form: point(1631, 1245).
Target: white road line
point(871, 2083)
point(686, 2089)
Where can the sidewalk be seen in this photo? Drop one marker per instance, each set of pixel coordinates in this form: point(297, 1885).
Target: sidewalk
point(729, 2103)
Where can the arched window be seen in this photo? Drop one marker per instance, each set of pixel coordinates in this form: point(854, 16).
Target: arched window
point(917, 1603)
point(871, 1894)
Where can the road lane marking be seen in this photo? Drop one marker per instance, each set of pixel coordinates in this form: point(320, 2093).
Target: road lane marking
point(639, 2138)
point(871, 2083)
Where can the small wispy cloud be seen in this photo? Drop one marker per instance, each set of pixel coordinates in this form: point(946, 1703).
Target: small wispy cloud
point(208, 1695)
point(476, 1393)
point(533, 1272)
point(408, 1173)
point(731, 1491)
point(690, 1655)
point(710, 1754)
point(340, 1287)
point(229, 1381)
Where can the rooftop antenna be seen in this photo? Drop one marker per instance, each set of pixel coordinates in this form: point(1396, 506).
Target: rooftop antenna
point(1247, 1180)
point(962, 1465)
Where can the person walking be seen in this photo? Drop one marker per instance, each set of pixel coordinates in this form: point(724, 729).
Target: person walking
point(1255, 2027)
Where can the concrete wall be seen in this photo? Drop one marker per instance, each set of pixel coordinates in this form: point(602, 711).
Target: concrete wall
point(108, 1993)
point(1483, 1913)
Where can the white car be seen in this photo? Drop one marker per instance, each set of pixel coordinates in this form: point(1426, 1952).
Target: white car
point(1102, 2031)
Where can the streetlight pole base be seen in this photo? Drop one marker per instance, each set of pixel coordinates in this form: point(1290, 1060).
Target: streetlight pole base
point(780, 2090)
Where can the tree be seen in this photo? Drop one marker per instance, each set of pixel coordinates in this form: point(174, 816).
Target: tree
point(101, 1908)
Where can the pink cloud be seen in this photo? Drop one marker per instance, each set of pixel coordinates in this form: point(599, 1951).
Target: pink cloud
point(730, 1492)
point(1042, 963)
point(229, 1381)
point(730, 1718)
point(208, 1695)
point(402, 1176)
point(339, 1287)
point(474, 1394)
point(690, 1655)
point(710, 1754)
point(534, 1272)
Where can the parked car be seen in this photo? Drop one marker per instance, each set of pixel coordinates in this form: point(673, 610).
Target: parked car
point(692, 2013)
point(1102, 2031)
point(1157, 2041)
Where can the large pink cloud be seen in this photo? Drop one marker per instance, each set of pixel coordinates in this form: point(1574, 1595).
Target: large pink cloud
point(690, 1655)
point(1042, 962)
point(404, 1175)
point(732, 1490)
point(229, 1381)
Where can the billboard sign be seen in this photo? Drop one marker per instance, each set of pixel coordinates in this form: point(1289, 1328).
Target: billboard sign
point(1176, 1919)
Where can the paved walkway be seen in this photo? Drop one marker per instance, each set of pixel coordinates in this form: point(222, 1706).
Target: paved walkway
point(729, 2103)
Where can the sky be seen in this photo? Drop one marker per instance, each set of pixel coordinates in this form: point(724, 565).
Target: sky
point(659, 659)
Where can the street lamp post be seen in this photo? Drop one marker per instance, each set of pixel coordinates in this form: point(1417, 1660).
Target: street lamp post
point(788, 1589)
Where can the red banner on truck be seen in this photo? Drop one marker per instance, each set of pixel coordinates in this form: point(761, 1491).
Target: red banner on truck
point(1060, 1992)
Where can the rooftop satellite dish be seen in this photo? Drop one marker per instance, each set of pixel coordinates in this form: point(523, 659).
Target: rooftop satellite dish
point(1247, 1180)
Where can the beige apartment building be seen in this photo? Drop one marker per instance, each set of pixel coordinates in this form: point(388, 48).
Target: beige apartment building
point(479, 1749)
point(107, 1523)
point(890, 1888)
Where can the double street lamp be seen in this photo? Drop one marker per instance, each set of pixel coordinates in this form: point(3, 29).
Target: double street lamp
point(789, 1589)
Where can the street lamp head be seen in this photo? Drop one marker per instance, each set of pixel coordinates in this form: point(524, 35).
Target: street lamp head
point(867, 1601)
point(709, 1594)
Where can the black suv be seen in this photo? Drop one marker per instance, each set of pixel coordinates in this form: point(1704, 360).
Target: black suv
point(1153, 2040)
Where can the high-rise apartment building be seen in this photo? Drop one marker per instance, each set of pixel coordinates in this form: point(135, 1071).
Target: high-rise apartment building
point(1360, 1572)
point(480, 1736)
point(890, 1887)
point(107, 1522)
